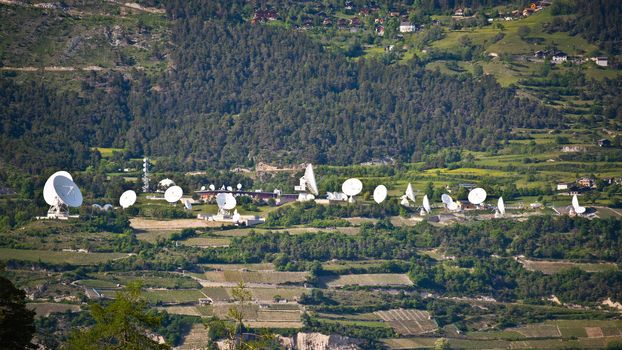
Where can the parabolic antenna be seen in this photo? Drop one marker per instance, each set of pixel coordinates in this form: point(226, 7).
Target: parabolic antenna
point(212, 187)
point(236, 216)
point(404, 201)
point(380, 194)
point(127, 199)
point(352, 187)
point(96, 206)
point(187, 204)
point(501, 205)
point(580, 210)
point(575, 202)
point(202, 188)
point(239, 186)
point(426, 203)
point(310, 179)
point(453, 206)
point(446, 199)
point(107, 207)
point(48, 189)
point(230, 202)
point(477, 196)
point(67, 191)
point(229, 188)
point(409, 192)
point(173, 194)
point(220, 199)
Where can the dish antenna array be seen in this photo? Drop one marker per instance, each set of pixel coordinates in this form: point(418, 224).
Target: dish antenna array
point(307, 183)
point(60, 192)
point(352, 187)
point(449, 202)
point(145, 175)
point(226, 202)
point(173, 194)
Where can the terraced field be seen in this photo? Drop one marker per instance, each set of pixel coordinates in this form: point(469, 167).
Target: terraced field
point(409, 321)
point(379, 279)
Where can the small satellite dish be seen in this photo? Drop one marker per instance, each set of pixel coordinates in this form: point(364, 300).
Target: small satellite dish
point(477, 196)
point(410, 194)
point(48, 189)
point(96, 206)
point(229, 188)
point(453, 206)
point(173, 194)
point(67, 191)
point(107, 207)
point(239, 186)
point(426, 203)
point(127, 199)
point(380, 194)
point(230, 202)
point(277, 191)
point(236, 216)
point(352, 187)
point(404, 201)
point(446, 199)
point(187, 204)
point(501, 206)
point(202, 188)
point(212, 187)
point(305, 197)
point(575, 202)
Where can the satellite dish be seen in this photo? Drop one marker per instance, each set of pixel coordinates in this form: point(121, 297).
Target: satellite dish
point(305, 197)
point(212, 187)
point(96, 206)
point(501, 205)
point(426, 203)
point(107, 207)
point(221, 199)
point(239, 186)
point(453, 206)
point(352, 187)
point(477, 196)
point(405, 202)
point(580, 210)
point(48, 189)
point(409, 192)
point(380, 194)
point(202, 188)
point(446, 199)
point(230, 202)
point(575, 202)
point(310, 179)
point(66, 191)
point(127, 199)
point(173, 194)
point(229, 188)
point(236, 216)
point(187, 204)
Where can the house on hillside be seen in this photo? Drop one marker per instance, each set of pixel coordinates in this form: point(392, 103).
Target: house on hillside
point(380, 30)
point(261, 16)
point(559, 57)
point(604, 143)
point(459, 12)
point(407, 27)
point(586, 182)
point(355, 22)
point(562, 186)
point(527, 12)
point(600, 61)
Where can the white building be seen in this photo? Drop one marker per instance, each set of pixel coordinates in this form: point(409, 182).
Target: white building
point(406, 27)
point(600, 61)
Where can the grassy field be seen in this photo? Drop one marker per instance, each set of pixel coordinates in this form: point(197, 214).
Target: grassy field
point(268, 277)
point(551, 267)
point(408, 322)
point(173, 296)
point(58, 257)
point(45, 309)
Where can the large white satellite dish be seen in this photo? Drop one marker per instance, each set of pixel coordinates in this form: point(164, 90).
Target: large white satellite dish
point(477, 196)
point(575, 205)
point(501, 206)
point(67, 191)
point(380, 193)
point(221, 199)
point(230, 202)
point(48, 189)
point(446, 199)
point(410, 194)
point(426, 203)
point(173, 194)
point(310, 179)
point(352, 187)
point(127, 199)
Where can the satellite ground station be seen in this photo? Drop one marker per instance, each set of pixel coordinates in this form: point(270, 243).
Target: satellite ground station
point(307, 186)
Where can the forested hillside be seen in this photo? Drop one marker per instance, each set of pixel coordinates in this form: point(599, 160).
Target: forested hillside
point(237, 94)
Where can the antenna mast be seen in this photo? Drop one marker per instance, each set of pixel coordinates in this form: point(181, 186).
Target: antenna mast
point(145, 175)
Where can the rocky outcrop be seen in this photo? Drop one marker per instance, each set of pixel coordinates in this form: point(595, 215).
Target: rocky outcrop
point(319, 341)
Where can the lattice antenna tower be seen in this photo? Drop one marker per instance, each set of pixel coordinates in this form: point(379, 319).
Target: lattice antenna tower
point(145, 175)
